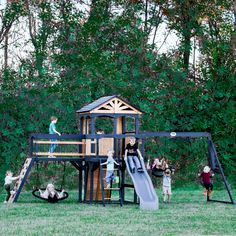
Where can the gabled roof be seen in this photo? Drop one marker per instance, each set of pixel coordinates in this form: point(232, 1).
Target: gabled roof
point(109, 105)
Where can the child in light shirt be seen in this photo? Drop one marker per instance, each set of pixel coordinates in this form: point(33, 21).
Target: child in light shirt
point(9, 184)
point(110, 168)
point(167, 185)
point(51, 194)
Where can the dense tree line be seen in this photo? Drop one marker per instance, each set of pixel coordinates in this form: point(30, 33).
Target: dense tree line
point(79, 51)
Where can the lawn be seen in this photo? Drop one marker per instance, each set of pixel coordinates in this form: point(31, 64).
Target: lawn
point(187, 214)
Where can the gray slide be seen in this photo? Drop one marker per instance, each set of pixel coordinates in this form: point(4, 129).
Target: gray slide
point(144, 188)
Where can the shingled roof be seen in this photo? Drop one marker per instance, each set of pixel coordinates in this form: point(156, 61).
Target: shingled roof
point(108, 105)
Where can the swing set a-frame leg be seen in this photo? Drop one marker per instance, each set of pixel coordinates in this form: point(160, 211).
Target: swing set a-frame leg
point(224, 180)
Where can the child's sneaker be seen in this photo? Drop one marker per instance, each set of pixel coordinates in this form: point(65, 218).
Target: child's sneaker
point(117, 180)
point(51, 156)
point(12, 192)
point(209, 193)
point(140, 169)
point(5, 202)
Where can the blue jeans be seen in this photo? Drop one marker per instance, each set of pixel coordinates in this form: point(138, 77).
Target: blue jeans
point(110, 176)
point(134, 161)
point(53, 146)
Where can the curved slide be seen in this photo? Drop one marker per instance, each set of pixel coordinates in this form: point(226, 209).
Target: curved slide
point(144, 188)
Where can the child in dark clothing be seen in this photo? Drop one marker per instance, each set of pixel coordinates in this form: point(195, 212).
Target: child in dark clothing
point(131, 154)
point(206, 180)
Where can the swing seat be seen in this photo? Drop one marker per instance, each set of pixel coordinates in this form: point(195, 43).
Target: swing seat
point(36, 194)
point(157, 172)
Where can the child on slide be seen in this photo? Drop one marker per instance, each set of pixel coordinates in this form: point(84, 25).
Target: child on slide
point(131, 155)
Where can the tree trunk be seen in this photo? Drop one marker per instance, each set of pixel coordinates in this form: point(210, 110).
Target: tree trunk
point(6, 52)
point(187, 50)
point(233, 37)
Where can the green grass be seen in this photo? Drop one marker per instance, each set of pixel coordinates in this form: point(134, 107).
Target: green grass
point(187, 214)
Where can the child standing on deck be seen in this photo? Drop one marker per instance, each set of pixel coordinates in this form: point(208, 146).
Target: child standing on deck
point(52, 130)
point(110, 168)
point(167, 185)
point(206, 181)
point(8, 184)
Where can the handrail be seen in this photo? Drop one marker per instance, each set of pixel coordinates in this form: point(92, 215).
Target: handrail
point(59, 154)
point(57, 142)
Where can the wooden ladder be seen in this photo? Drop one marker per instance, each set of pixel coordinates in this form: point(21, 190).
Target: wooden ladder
point(20, 182)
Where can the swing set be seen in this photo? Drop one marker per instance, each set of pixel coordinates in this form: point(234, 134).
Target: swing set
point(86, 149)
point(213, 161)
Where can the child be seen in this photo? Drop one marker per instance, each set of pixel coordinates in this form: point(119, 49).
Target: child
point(131, 154)
point(110, 168)
point(206, 180)
point(51, 194)
point(167, 185)
point(52, 130)
point(8, 184)
point(164, 164)
point(157, 164)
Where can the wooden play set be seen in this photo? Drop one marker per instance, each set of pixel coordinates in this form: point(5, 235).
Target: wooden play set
point(88, 149)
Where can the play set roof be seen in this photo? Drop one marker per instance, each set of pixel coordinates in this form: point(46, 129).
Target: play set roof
point(109, 105)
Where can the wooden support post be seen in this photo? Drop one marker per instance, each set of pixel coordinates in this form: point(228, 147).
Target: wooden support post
point(86, 170)
point(81, 124)
point(93, 125)
point(115, 132)
point(91, 181)
point(123, 124)
point(97, 148)
point(80, 183)
point(143, 147)
point(137, 124)
point(123, 181)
